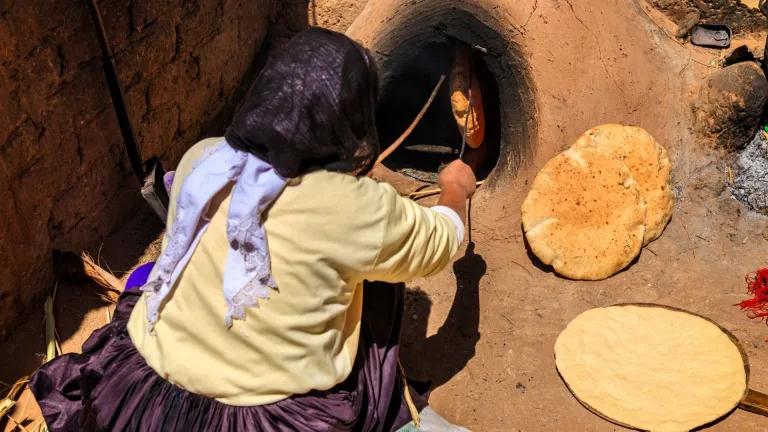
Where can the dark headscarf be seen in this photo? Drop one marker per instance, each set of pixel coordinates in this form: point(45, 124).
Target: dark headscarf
point(312, 107)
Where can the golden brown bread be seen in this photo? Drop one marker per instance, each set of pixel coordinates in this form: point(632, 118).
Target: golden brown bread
point(649, 164)
point(585, 215)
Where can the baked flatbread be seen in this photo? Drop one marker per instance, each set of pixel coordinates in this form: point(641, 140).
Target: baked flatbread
point(459, 89)
point(650, 367)
point(585, 215)
point(650, 166)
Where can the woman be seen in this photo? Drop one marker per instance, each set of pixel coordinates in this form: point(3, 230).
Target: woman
point(255, 316)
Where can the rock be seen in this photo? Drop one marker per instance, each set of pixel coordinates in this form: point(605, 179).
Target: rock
point(729, 105)
point(742, 52)
point(687, 23)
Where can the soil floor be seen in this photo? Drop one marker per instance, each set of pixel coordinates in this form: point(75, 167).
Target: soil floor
point(483, 330)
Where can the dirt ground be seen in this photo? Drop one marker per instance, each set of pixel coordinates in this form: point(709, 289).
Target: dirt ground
point(483, 330)
point(491, 322)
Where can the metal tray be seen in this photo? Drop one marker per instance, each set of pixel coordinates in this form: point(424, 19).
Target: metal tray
point(711, 35)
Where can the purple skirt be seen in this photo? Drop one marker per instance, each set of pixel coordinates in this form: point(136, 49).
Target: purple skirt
point(110, 386)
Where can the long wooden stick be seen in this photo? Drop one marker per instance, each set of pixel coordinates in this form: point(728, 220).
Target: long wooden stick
point(413, 125)
point(428, 192)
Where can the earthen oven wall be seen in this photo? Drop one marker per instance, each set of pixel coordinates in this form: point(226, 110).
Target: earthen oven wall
point(65, 181)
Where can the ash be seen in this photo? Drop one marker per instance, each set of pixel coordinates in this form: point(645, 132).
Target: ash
point(751, 177)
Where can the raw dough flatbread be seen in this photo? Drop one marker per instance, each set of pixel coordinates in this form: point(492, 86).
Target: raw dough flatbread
point(650, 166)
point(584, 215)
point(650, 367)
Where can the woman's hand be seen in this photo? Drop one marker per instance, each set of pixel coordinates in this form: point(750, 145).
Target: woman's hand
point(457, 184)
point(459, 174)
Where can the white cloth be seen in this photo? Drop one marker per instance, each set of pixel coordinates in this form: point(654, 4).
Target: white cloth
point(454, 217)
point(247, 275)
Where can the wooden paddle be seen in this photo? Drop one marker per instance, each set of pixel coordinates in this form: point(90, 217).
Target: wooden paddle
point(755, 402)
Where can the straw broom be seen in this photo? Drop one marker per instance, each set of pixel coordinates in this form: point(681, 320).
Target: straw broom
point(9, 400)
point(429, 192)
point(52, 350)
point(101, 276)
point(68, 265)
point(18, 425)
point(40, 427)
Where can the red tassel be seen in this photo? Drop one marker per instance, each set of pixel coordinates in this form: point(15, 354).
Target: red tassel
point(757, 285)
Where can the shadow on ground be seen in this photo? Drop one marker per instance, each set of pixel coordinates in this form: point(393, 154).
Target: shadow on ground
point(440, 357)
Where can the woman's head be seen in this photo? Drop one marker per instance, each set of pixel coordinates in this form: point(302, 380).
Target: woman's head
point(313, 106)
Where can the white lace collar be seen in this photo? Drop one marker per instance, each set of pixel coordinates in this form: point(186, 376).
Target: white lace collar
point(247, 275)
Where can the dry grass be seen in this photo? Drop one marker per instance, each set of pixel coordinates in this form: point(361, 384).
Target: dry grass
point(102, 277)
point(152, 252)
point(52, 350)
point(52, 345)
point(9, 401)
point(429, 192)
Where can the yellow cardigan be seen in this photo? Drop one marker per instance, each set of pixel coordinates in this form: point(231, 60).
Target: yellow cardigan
point(326, 233)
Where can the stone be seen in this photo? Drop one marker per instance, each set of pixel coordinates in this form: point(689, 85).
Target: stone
point(687, 23)
point(729, 106)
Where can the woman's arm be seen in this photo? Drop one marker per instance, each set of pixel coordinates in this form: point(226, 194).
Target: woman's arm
point(457, 184)
point(418, 241)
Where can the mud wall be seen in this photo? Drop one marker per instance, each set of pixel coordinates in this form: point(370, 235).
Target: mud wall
point(65, 181)
point(336, 15)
